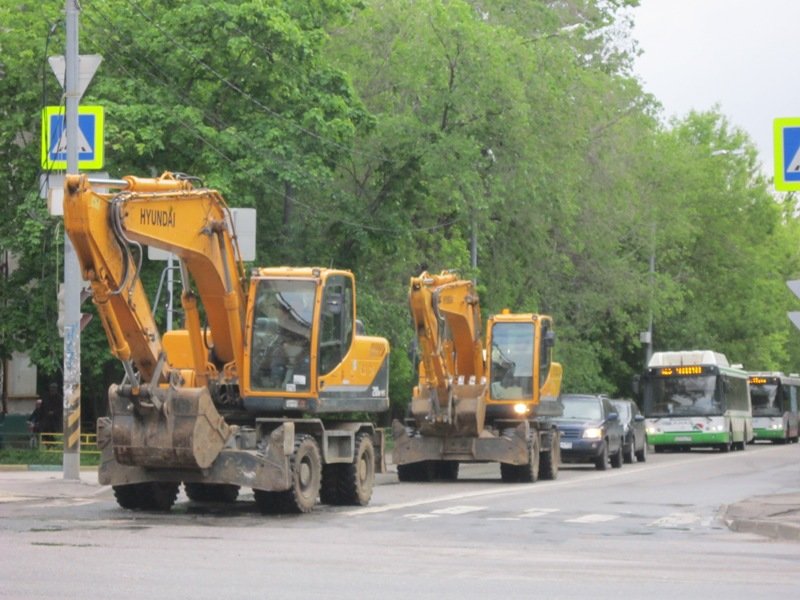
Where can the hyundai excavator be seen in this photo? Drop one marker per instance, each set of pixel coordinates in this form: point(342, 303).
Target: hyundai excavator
point(255, 390)
point(476, 403)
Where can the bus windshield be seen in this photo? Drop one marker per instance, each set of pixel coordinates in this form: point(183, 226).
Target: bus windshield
point(682, 396)
point(765, 400)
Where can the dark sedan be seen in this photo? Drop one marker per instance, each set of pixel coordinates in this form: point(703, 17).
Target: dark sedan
point(590, 431)
point(634, 428)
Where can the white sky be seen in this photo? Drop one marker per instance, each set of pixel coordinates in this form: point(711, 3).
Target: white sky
point(741, 54)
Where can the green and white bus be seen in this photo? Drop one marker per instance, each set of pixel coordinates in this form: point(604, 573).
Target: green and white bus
point(694, 398)
point(774, 397)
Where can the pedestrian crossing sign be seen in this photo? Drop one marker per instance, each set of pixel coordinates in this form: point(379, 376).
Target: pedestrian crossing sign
point(90, 138)
point(786, 136)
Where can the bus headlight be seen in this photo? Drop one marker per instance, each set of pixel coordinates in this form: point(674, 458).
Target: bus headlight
point(521, 409)
point(715, 428)
point(592, 433)
point(776, 426)
point(652, 430)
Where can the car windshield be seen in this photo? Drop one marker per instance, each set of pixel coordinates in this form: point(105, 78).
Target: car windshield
point(765, 400)
point(684, 396)
point(624, 410)
point(581, 408)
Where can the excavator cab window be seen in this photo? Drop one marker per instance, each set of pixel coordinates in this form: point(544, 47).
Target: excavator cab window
point(282, 335)
point(546, 350)
point(512, 361)
point(337, 320)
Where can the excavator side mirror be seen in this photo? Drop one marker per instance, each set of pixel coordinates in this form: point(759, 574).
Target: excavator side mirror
point(550, 338)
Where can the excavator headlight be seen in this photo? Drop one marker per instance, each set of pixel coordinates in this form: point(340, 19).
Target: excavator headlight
point(521, 409)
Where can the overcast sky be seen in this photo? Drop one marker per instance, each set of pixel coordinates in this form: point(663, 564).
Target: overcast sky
point(741, 54)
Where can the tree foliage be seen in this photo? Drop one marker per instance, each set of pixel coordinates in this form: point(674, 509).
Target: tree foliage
point(388, 136)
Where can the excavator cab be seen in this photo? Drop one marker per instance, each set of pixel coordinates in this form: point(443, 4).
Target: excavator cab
point(523, 379)
point(305, 353)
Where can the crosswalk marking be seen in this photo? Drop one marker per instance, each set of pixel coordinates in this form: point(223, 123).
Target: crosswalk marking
point(457, 510)
point(420, 516)
point(592, 518)
point(533, 513)
point(680, 520)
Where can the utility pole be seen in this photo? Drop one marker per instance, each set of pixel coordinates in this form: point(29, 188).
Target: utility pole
point(72, 274)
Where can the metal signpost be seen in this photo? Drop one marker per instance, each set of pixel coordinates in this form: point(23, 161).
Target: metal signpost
point(77, 73)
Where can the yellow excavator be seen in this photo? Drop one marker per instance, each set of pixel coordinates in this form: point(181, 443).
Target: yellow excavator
point(476, 403)
point(256, 390)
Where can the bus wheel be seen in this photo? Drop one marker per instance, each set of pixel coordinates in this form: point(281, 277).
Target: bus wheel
point(726, 446)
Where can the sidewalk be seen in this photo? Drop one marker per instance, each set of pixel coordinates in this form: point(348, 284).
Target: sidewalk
point(776, 517)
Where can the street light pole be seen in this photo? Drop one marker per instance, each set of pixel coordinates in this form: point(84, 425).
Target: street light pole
point(72, 274)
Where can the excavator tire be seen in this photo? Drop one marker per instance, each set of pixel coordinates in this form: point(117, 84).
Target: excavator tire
point(127, 496)
point(212, 492)
point(527, 473)
point(351, 484)
point(447, 470)
point(267, 502)
point(549, 462)
point(306, 477)
point(158, 496)
point(417, 472)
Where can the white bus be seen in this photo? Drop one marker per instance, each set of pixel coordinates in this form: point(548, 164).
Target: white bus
point(775, 397)
point(694, 398)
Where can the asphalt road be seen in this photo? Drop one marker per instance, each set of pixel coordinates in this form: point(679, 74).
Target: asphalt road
point(649, 529)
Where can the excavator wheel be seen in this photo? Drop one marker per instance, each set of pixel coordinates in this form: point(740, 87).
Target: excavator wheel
point(447, 470)
point(306, 477)
point(150, 495)
point(419, 471)
point(351, 484)
point(157, 495)
point(527, 473)
point(549, 462)
point(127, 496)
point(267, 502)
point(211, 492)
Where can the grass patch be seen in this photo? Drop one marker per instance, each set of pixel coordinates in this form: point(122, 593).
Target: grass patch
point(17, 456)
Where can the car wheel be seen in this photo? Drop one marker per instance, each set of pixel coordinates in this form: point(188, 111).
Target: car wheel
point(628, 454)
point(641, 455)
point(601, 462)
point(618, 458)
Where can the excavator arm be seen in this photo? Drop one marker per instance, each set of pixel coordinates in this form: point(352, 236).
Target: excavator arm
point(163, 416)
point(165, 213)
point(447, 320)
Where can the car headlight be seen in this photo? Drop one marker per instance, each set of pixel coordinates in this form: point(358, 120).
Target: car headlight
point(593, 433)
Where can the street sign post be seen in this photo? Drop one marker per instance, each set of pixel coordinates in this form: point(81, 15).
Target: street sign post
point(786, 137)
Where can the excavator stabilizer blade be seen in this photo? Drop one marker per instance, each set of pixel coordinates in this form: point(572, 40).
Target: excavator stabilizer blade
point(177, 428)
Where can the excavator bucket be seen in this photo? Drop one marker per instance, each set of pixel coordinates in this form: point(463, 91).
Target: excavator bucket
point(166, 428)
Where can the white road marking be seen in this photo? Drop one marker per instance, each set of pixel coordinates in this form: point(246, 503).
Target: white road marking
point(532, 513)
point(593, 518)
point(675, 521)
point(516, 488)
point(420, 516)
point(457, 510)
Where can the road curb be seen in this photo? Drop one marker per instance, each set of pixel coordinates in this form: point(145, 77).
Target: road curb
point(749, 517)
